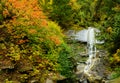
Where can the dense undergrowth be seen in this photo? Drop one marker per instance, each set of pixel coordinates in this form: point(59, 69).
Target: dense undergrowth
point(32, 47)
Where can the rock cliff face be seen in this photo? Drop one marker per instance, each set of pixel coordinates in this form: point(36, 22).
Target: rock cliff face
point(14, 70)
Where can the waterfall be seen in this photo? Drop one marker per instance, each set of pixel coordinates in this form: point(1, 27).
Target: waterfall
point(91, 49)
point(90, 62)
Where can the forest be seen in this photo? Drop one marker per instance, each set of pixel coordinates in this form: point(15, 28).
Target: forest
point(33, 46)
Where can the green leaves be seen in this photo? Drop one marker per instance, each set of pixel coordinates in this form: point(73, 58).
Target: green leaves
point(46, 5)
point(61, 13)
point(1, 17)
point(29, 39)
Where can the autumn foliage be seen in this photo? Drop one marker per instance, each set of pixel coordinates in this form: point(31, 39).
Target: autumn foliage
point(116, 57)
point(29, 41)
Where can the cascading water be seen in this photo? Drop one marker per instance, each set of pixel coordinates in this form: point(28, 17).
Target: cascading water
point(93, 70)
point(90, 69)
point(91, 49)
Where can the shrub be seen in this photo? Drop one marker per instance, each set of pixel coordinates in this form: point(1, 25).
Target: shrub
point(30, 41)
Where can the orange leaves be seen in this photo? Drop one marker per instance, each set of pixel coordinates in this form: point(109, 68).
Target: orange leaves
point(36, 14)
point(44, 23)
point(33, 3)
point(5, 13)
point(32, 31)
point(35, 8)
point(56, 40)
point(22, 41)
point(27, 7)
point(25, 12)
point(11, 1)
point(19, 4)
point(32, 36)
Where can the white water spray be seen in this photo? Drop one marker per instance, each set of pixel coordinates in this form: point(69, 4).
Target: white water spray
point(91, 49)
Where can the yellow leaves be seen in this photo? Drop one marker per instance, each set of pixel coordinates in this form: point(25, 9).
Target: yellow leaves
point(2, 46)
point(14, 56)
point(55, 28)
point(30, 57)
point(14, 52)
point(116, 56)
point(73, 1)
point(36, 53)
point(95, 0)
point(103, 17)
point(24, 76)
point(8, 81)
point(109, 30)
point(51, 2)
point(17, 57)
point(45, 3)
point(35, 72)
point(74, 4)
point(116, 8)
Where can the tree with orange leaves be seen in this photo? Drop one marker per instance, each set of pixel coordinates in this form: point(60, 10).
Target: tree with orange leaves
point(29, 41)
